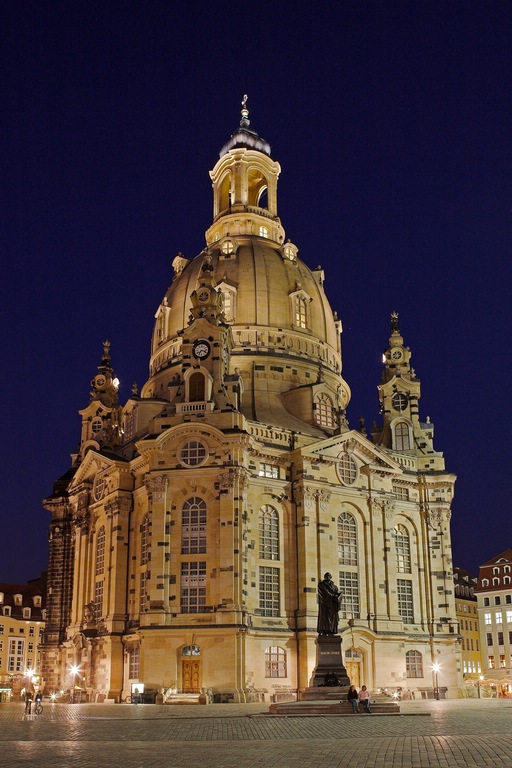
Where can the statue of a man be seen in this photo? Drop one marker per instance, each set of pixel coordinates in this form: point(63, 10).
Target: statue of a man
point(329, 604)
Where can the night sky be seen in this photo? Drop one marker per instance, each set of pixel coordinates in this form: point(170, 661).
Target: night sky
point(393, 127)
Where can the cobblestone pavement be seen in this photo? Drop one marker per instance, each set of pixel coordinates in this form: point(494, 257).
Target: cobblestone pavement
point(428, 734)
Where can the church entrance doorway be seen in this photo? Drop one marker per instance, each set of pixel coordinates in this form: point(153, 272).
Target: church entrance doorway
point(191, 669)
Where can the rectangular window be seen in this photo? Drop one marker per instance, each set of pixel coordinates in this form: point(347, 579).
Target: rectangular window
point(405, 604)
point(499, 618)
point(509, 617)
point(269, 599)
point(1, 629)
point(349, 588)
point(143, 591)
point(16, 655)
point(275, 662)
point(31, 631)
point(133, 664)
point(490, 662)
point(269, 470)
point(500, 638)
point(487, 618)
point(98, 598)
point(401, 492)
point(193, 587)
point(503, 663)
point(489, 638)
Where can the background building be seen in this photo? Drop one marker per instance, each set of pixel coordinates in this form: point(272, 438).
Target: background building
point(469, 629)
point(188, 538)
point(22, 620)
point(494, 594)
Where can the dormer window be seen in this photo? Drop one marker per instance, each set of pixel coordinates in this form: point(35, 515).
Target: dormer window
point(18, 599)
point(7, 610)
point(402, 437)
point(37, 601)
point(26, 613)
point(263, 231)
point(324, 412)
point(1, 598)
point(289, 251)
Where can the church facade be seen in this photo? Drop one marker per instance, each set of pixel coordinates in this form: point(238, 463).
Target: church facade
point(189, 536)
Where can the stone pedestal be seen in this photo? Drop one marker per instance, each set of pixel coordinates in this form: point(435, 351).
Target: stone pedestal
point(329, 679)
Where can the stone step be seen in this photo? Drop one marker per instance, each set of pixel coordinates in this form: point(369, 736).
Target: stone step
point(326, 707)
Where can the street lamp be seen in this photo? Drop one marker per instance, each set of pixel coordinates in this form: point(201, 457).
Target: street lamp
point(479, 683)
point(74, 671)
point(435, 668)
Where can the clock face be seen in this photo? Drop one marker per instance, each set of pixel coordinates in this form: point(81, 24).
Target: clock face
point(203, 295)
point(396, 354)
point(98, 381)
point(201, 349)
point(400, 401)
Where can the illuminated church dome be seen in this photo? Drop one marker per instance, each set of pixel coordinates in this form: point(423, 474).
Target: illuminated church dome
point(285, 336)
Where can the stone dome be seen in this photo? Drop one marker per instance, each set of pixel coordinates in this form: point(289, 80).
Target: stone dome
point(281, 321)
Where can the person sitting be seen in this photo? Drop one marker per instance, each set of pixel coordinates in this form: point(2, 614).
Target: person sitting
point(353, 697)
point(364, 698)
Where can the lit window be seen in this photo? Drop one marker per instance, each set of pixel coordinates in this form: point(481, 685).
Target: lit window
point(26, 613)
point(347, 469)
point(269, 470)
point(301, 316)
point(347, 539)
point(229, 304)
point(269, 533)
point(269, 597)
point(193, 453)
point(402, 437)
point(263, 232)
point(509, 617)
point(487, 618)
point(490, 662)
point(193, 587)
point(498, 617)
point(193, 526)
point(403, 549)
point(227, 247)
point(275, 661)
point(414, 664)
point(324, 413)
point(405, 602)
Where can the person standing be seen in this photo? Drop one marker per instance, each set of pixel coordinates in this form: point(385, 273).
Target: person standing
point(28, 702)
point(353, 697)
point(364, 698)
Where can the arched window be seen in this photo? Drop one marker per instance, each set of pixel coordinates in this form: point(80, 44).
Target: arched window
point(413, 664)
point(275, 661)
point(402, 437)
point(269, 533)
point(402, 549)
point(196, 387)
point(144, 541)
point(347, 539)
point(193, 526)
point(100, 551)
point(324, 414)
point(301, 316)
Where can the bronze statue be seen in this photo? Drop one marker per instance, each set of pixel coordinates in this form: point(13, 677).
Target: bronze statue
point(329, 604)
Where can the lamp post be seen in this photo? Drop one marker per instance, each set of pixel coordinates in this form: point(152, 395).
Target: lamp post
point(74, 672)
point(479, 683)
point(435, 668)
